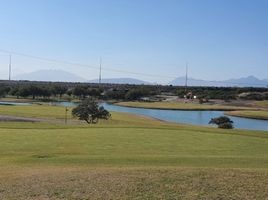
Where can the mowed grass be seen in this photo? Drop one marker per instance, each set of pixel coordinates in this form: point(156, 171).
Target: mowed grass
point(129, 157)
point(144, 146)
point(180, 106)
point(35, 111)
point(250, 114)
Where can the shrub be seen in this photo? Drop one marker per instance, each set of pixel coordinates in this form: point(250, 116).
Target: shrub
point(222, 122)
point(226, 126)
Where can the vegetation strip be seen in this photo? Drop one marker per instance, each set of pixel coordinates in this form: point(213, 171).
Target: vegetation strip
point(250, 114)
point(181, 106)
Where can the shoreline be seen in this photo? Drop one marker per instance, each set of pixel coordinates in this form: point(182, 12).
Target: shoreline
point(189, 109)
point(244, 116)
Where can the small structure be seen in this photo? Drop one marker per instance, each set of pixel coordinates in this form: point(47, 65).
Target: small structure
point(189, 95)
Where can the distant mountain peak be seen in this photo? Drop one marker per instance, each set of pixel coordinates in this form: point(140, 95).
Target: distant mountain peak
point(249, 81)
point(121, 81)
point(50, 75)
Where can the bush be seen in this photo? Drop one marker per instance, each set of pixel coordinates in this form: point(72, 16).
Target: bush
point(226, 126)
point(222, 122)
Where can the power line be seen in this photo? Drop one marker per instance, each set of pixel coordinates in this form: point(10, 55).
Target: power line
point(100, 72)
point(82, 65)
point(9, 74)
point(186, 76)
point(107, 69)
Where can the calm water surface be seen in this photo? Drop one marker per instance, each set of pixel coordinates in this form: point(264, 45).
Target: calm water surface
point(7, 103)
point(187, 117)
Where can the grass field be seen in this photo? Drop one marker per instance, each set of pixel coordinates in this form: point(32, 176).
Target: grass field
point(128, 157)
point(35, 111)
point(250, 114)
point(180, 106)
point(262, 103)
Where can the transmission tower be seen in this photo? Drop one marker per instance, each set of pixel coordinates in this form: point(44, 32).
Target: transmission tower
point(9, 74)
point(100, 71)
point(186, 77)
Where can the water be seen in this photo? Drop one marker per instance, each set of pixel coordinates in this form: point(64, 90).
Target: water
point(191, 117)
point(7, 103)
point(181, 116)
point(178, 116)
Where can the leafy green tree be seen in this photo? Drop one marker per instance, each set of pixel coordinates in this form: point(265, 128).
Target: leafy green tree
point(135, 94)
point(59, 90)
point(4, 90)
point(115, 94)
point(93, 92)
point(24, 91)
point(222, 122)
point(89, 111)
point(80, 91)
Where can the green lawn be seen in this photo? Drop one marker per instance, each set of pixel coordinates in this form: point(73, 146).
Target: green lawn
point(128, 157)
point(36, 111)
point(180, 106)
point(123, 146)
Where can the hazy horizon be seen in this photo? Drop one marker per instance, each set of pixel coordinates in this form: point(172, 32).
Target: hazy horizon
point(219, 39)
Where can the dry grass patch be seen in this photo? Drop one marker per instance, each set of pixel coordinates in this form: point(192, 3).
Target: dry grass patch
point(135, 183)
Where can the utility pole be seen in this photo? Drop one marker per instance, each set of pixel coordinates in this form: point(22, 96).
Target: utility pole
point(186, 77)
point(9, 74)
point(100, 71)
point(66, 111)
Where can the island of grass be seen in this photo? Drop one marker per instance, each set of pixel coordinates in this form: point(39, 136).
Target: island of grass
point(253, 114)
point(127, 157)
point(262, 103)
point(180, 106)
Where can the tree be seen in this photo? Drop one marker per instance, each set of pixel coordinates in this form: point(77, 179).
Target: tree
point(59, 90)
point(14, 91)
point(3, 91)
point(24, 91)
point(80, 91)
point(222, 122)
point(90, 111)
point(135, 94)
point(115, 94)
point(93, 92)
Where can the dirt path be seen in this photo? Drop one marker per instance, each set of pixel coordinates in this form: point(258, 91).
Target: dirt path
point(6, 118)
point(9, 118)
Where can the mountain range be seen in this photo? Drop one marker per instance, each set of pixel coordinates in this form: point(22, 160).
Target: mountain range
point(50, 75)
point(249, 81)
point(121, 81)
point(63, 76)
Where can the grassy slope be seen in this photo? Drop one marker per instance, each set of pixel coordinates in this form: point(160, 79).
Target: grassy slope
point(131, 147)
point(130, 157)
point(179, 106)
point(250, 114)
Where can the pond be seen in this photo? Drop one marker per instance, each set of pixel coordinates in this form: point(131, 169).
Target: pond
point(187, 117)
point(8, 103)
point(178, 116)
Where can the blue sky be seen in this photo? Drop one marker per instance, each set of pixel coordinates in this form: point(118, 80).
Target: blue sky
point(220, 39)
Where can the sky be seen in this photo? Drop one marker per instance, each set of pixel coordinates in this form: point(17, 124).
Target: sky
point(154, 39)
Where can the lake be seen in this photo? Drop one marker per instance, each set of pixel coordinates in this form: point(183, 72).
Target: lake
point(8, 103)
point(187, 117)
